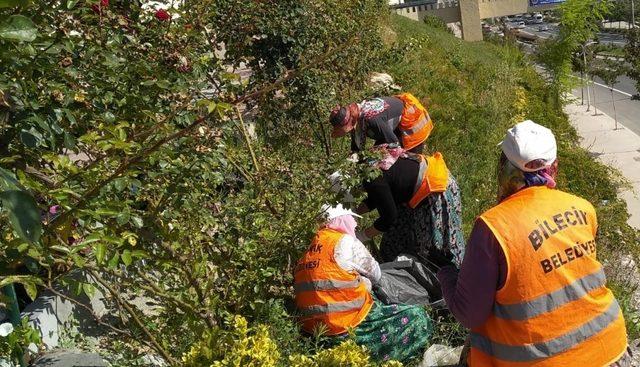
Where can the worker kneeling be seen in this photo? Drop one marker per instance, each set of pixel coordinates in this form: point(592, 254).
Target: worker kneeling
point(333, 282)
point(530, 287)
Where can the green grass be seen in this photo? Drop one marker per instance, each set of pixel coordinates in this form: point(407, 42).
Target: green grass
point(475, 92)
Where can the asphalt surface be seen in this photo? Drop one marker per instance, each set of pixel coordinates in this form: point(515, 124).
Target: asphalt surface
point(626, 109)
point(605, 38)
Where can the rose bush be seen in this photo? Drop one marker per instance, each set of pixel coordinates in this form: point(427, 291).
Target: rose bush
point(181, 155)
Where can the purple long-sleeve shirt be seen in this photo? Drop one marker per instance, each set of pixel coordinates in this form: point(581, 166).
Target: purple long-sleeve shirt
point(470, 294)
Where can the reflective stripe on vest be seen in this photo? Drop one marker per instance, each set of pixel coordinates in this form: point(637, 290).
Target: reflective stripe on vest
point(355, 304)
point(323, 285)
point(551, 301)
point(415, 123)
point(416, 128)
point(433, 176)
point(547, 349)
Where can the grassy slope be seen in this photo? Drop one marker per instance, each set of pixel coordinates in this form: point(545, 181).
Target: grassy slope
point(474, 92)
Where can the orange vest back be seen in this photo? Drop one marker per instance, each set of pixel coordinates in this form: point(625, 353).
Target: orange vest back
point(415, 123)
point(554, 308)
point(433, 176)
point(327, 295)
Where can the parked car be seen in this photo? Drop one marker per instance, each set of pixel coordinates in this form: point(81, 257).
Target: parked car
point(543, 27)
point(519, 24)
point(538, 18)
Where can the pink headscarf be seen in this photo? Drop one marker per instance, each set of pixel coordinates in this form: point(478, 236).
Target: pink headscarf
point(344, 223)
point(391, 155)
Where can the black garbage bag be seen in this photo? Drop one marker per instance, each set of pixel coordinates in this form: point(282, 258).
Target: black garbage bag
point(407, 281)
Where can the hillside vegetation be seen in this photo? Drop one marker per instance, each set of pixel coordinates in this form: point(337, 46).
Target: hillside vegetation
point(124, 137)
point(475, 92)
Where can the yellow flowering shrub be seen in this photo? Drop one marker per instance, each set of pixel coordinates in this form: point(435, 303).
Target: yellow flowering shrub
point(244, 347)
point(520, 106)
point(347, 354)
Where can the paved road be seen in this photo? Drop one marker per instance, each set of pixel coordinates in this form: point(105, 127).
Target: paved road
point(605, 38)
point(628, 110)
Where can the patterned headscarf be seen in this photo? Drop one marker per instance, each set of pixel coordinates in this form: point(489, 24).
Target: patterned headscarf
point(391, 153)
point(511, 179)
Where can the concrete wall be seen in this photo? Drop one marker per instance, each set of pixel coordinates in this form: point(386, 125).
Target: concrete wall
point(468, 12)
point(448, 11)
point(502, 8)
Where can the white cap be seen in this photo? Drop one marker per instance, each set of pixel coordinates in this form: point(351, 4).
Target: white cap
point(528, 141)
point(331, 212)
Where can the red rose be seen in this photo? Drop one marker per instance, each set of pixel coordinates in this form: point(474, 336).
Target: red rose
point(100, 5)
point(162, 15)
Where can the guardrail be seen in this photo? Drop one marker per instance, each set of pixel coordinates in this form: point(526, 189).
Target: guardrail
point(413, 3)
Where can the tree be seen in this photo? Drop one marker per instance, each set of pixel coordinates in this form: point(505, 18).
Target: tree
point(578, 24)
point(126, 152)
point(632, 51)
point(609, 71)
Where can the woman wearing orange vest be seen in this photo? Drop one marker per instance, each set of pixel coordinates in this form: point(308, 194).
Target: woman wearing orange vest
point(332, 283)
point(399, 119)
point(418, 202)
point(530, 287)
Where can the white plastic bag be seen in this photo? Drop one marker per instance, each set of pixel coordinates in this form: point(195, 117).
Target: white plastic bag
point(441, 355)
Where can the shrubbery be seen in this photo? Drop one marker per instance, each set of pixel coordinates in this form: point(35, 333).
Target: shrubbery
point(125, 151)
point(128, 150)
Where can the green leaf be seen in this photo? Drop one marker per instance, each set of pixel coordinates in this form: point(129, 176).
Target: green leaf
point(32, 290)
point(18, 28)
point(28, 281)
point(19, 279)
point(114, 261)
point(122, 218)
point(30, 138)
point(62, 249)
point(8, 181)
point(12, 3)
point(126, 257)
point(71, 3)
point(69, 141)
point(23, 213)
point(140, 254)
point(137, 221)
point(101, 250)
point(88, 289)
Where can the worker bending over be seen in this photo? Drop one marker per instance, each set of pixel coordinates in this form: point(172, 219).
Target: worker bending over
point(400, 119)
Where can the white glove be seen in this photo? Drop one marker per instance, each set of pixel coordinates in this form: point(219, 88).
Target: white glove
point(362, 236)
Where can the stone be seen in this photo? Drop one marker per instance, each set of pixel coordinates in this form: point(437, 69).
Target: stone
point(50, 313)
point(153, 360)
point(382, 81)
point(70, 358)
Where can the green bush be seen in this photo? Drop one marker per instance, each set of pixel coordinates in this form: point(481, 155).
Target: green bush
point(128, 150)
point(124, 152)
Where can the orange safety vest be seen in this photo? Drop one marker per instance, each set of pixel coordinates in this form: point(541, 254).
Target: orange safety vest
point(433, 176)
point(554, 308)
point(325, 293)
point(415, 123)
